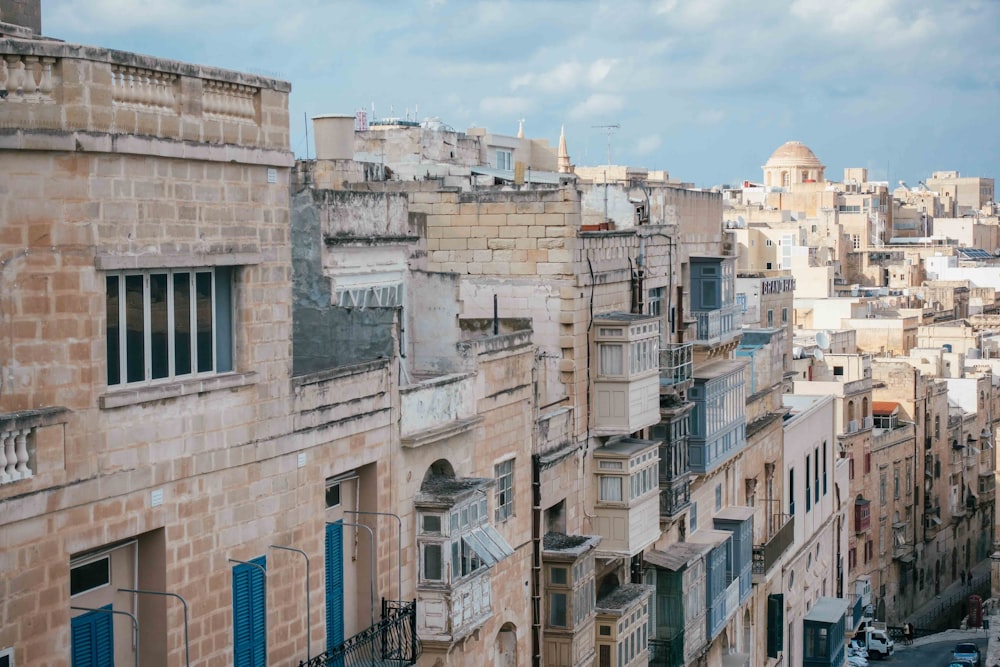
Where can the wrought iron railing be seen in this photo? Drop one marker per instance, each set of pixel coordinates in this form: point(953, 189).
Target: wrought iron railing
point(391, 641)
point(767, 554)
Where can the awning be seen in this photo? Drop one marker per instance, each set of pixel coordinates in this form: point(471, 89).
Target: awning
point(488, 544)
point(884, 408)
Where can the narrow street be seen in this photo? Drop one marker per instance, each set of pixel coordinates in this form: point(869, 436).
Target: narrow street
point(928, 652)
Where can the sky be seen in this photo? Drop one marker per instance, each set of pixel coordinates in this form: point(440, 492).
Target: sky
point(705, 89)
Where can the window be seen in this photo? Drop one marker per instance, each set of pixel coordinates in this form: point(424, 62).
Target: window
point(433, 563)
point(791, 491)
point(784, 315)
point(655, 303)
point(808, 491)
point(856, 241)
point(895, 482)
point(558, 576)
point(868, 459)
point(693, 518)
point(333, 495)
point(167, 324)
point(557, 610)
point(770, 317)
point(839, 370)
point(881, 487)
point(768, 243)
point(850, 465)
point(249, 624)
point(718, 497)
point(87, 577)
point(610, 488)
point(610, 358)
point(816, 475)
point(504, 492)
point(505, 159)
point(824, 467)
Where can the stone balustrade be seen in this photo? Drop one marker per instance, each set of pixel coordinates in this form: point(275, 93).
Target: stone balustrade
point(230, 100)
point(18, 431)
point(64, 89)
point(26, 78)
point(14, 455)
point(144, 88)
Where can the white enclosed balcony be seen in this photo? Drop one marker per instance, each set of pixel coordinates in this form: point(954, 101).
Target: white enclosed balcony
point(627, 382)
point(627, 507)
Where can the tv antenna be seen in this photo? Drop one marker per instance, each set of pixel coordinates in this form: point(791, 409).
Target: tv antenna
point(608, 129)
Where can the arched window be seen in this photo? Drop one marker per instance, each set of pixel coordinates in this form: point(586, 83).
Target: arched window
point(864, 407)
point(785, 182)
point(850, 411)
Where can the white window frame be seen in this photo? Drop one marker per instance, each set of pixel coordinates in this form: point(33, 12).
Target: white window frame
point(504, 159)
point(217, 336)
point(503, 504)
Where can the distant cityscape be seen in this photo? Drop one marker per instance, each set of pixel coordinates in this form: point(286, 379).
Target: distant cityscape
point(445, 397)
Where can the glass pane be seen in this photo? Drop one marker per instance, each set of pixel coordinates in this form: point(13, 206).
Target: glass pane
point(182, 323)
point(432, 524)
point(85, 577)
point(135, 358)
point(432, 562)
point(224, 319)
point(557, 610)
point(203, 304)
point(159, 342)
point(610, 359)
point(611, 489)
point(113, 331)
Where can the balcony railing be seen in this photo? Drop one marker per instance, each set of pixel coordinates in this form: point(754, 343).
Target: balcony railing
point(675, 495)
point(676, 365)
point(391, 641)
point(767, 554)
point(715, 327)
point(17, 441)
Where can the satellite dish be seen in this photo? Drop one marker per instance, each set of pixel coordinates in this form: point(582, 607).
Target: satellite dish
point(823, 340)
point(797, 352)
point(818, 354)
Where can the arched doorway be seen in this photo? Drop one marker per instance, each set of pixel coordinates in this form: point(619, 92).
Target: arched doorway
point(505, 650)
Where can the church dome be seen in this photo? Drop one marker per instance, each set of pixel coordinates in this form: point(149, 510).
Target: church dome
point(793, 154)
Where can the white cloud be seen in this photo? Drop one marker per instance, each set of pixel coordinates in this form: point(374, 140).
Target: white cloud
point(505, 105)
point(648, 144)
point(599, 70)
point(598, 104)
point(561, 78)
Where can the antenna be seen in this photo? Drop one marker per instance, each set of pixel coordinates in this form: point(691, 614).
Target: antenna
point(608, 129)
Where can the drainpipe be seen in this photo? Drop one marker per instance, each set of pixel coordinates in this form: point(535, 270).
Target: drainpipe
point(536, 561)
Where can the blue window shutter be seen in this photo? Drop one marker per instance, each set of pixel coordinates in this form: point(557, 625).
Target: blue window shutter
point(93, 643)
point(334, 585)
point(249, 615)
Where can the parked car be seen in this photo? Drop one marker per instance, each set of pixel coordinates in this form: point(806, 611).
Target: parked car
point(960, 663)
point(967, 651)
